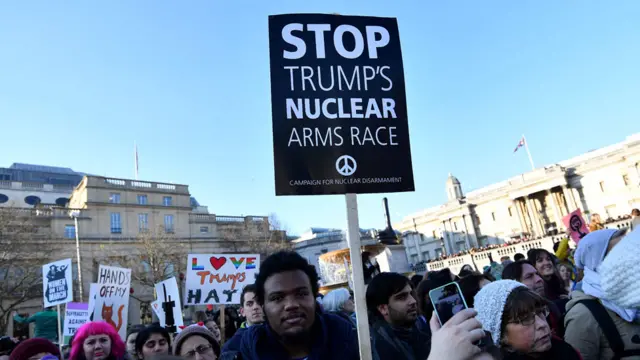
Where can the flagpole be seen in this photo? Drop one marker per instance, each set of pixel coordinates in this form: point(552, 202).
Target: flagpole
point(135, 154)
point(526, 147)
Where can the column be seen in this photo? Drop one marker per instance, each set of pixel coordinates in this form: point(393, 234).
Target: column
point(466, 231)
point(534, 217)
point(517, 208)
point(568, 197)
point(445, 237)
point(454, 236)
point(556, 210)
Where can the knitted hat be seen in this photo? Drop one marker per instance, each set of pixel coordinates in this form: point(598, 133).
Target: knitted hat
point(619, 272)
point(195, 329)
point(31, 347)
point(490, 301)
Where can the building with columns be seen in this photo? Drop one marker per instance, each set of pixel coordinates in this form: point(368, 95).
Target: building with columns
point(531, 205)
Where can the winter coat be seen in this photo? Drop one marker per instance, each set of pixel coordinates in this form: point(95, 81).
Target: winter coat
point(406, 344)
point(333, 338)
point(560, 350)
point(585, 335)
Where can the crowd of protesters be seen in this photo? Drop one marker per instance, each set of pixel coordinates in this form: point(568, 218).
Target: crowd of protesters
point(595, 224)
point(581, 303)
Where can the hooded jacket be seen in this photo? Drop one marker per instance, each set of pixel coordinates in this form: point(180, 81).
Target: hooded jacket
point(585, 335)
point(332, 338)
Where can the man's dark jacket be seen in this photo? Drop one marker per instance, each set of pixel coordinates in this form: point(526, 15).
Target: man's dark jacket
point(332, 338)
point(395, 344)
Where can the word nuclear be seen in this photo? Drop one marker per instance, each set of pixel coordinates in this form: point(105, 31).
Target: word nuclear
point(333, 108)
point(376, 37)
point(313, 137)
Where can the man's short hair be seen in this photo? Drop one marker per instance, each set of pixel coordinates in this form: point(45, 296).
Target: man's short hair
point(518, 257)
point(280, 262)
point(251, 288)
point(381, 289)
point(635, 212)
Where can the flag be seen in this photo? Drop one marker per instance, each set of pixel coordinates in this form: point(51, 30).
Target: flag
point(520, 144)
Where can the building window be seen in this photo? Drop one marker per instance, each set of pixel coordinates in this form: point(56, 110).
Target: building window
point(143, 222)
point(116, 228)
point(32, 200)
point(455, 225)
point(166, 201)
point(114, 198)
point(602, 186)
point(204, 229)
point(625, 179)
point(142, 200)
point(70, 231)
point(510, 213)
point(168, 223)
point(493, 216)
point(426, 256)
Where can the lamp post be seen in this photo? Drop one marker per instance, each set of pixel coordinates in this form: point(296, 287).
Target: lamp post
point(75, 214)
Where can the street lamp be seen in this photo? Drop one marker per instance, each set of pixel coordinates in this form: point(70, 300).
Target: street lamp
point(75, 214)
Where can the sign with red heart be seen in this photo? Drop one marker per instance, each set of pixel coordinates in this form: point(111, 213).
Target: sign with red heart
point(217, 262)
point(215, 279)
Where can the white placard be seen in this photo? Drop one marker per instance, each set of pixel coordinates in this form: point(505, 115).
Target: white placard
point(57, 283)
point(167, 291)
point(75, 316)
point(93, 294)
point(156, 305)
point(112, 300)
point(219, 278)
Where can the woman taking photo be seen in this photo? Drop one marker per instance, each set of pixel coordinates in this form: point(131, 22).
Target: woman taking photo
point(152, 341)
point(516, 318)
point(97, 340)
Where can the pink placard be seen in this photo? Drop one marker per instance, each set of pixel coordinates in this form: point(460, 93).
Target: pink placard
point(576, 225)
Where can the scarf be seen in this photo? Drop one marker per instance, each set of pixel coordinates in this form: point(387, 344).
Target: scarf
point(589, 255)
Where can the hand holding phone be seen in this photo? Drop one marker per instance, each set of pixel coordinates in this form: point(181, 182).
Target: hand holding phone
point(447, 301)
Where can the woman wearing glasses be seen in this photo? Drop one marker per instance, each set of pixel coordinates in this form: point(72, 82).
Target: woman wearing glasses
point(516, 318)
point(195, 342)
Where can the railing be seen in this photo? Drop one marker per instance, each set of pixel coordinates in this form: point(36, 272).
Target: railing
point(196, 218)
point(46, 212)
point(480, 259)
point(136, 184)
point(20, 185)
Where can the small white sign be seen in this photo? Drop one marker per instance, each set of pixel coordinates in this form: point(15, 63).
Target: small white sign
point(75, 316)
point(57, 283)
point(168, 293)
point(112, 300)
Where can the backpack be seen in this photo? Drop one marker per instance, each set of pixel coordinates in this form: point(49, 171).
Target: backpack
point(609, 329)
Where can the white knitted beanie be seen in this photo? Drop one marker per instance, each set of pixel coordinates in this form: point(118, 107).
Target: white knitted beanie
point(620, 270)
point(490, 301)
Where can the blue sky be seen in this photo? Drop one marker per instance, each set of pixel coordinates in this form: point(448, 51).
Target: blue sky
point(189, 81)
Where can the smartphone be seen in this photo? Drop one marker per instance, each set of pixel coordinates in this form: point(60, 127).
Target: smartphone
point(447, 301)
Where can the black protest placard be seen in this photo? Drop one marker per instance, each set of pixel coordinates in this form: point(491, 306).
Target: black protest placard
point(338, 104)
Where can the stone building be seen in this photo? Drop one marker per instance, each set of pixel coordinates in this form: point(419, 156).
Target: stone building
point(120, 221)
point(531, 205)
